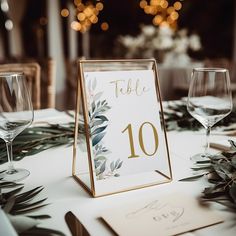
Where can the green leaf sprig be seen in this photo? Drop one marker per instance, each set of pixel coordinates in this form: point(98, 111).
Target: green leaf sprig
point(177, 117)
point(220, 170)
point(17, 205)
point(36, 139)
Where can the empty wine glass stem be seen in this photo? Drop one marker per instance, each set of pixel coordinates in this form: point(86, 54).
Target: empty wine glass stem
point(11, 168)
point(208, 131)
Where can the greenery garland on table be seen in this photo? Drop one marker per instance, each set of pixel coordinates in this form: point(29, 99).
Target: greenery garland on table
point(178, 118)
point(17, 205)
point(220, 170)
point(36, 139)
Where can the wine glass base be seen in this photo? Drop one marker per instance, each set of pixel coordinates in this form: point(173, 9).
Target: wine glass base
point(14, 175)
point(200, 157)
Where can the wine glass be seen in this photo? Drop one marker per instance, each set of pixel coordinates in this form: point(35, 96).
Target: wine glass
point(209, 99)
point(16, 113)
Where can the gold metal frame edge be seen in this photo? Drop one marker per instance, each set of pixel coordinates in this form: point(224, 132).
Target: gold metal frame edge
point(81, 94)
point(167, 180)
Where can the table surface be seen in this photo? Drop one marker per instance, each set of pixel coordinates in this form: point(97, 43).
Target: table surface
point(53, 170)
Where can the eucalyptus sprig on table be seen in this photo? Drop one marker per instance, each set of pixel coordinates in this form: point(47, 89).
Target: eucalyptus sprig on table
point(220, 170)
point(17, 205)
point(178, 118)
point(36, 139)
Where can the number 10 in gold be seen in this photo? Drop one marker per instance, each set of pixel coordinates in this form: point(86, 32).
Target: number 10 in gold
point(133, 153)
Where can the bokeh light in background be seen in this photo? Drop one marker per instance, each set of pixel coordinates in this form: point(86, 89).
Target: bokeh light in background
point(105, 20)
point(9, 24)
point(162, 11)
point(104, 26)
point(65, 12)
point(91, 28)
point(75, 25)
point(86, 14)
point(4, 6)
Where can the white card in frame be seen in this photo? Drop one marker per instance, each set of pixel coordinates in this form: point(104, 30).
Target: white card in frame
point(120, 139)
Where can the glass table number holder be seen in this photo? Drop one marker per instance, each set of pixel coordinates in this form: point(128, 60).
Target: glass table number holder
point(120, 140)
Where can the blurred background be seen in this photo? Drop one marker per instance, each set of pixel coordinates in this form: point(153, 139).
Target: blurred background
point(178, 34)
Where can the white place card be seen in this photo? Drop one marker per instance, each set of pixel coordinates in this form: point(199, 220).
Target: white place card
point(166, 216)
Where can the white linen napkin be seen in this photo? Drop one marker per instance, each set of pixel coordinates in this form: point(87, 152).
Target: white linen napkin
point(51, 116)
point(6, 227)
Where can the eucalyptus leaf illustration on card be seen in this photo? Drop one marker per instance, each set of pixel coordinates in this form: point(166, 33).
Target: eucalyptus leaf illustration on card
point(98, 122)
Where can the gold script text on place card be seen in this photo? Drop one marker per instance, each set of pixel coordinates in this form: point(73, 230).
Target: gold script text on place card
point(126, 88)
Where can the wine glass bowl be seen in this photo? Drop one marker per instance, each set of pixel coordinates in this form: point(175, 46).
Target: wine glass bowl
point(209, 98)
point(16, 113)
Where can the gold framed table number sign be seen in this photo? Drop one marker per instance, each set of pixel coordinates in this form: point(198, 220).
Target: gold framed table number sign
point(120, 140)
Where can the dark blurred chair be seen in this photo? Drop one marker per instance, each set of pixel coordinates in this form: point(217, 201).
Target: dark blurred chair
point(41, 78)
point(32, 73)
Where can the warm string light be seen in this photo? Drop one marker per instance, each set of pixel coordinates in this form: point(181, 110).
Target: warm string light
point(163, 12)
point(86, 15)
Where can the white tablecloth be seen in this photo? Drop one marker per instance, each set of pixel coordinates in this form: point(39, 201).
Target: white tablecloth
point(52, 169)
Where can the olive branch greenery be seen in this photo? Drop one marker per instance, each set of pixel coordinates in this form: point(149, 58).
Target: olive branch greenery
point(39, 138)
point(177, 117)
point(220, 171)
point(18, 206)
